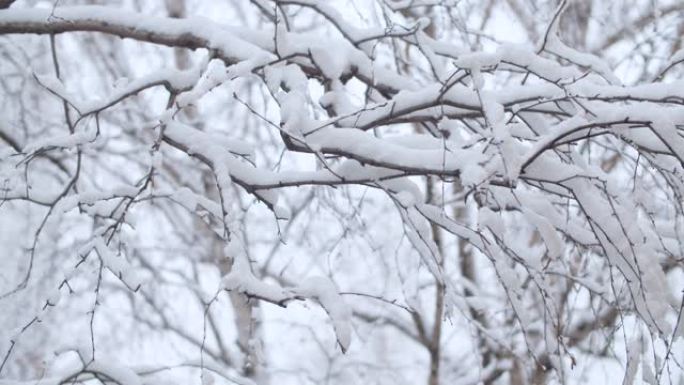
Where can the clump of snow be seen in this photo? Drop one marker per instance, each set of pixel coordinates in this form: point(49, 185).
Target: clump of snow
point(324, 291)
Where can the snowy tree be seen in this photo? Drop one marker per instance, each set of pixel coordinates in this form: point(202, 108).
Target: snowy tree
point(335, 192)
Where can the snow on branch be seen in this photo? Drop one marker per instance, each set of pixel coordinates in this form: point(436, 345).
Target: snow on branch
point(533, 164)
